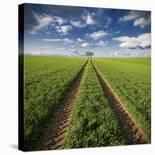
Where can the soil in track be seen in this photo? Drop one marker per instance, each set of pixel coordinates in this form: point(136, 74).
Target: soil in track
point(54, 137)
point(132, 131)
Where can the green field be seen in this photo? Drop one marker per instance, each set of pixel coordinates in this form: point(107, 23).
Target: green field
point(94, 123)
point(131, 79)
point(47, 80)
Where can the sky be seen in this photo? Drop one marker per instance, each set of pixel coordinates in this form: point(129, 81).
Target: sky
point(72, 31)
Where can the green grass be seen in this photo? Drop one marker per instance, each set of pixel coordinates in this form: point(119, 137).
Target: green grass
point(131, 80)
point(94, 123)
point(47, 79)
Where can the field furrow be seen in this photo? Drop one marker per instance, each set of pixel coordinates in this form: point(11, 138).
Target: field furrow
point(94, 122)
point(130, 128)
point(131, 80)
point(47, 81)
point(54, 137)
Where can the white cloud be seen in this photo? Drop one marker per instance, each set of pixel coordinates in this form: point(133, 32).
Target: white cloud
point(80, 40)
point(117, 32)
point(132, 15)
point(51, 40)
point(89, 19)
point(43, 21)
point(66, 40)
point(142, 22)
point(60, 20)
point(139, 18)
point(141, 41)
point(97, 35)
point(77, 23)
point(85, 44)
point(128, 42)
point(145, 40)
point(101, 43)
point(64, 29)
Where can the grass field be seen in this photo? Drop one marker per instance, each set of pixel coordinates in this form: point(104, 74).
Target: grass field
point(93, 122)
point(131, 79)
point(47, 80)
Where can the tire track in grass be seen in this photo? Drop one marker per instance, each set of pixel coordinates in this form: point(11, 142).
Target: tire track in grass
point(131, 129)
point(94, 123)
point(54, 137)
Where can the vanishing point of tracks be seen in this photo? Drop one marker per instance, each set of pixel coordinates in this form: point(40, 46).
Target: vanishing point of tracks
point(55, 137)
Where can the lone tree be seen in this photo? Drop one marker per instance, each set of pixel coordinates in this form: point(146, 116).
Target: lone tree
point(89, 54)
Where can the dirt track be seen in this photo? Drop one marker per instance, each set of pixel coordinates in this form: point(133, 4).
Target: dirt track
point(54, 137)
point(131, 129)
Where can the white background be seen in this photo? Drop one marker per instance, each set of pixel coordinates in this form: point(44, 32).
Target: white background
point(9, 76)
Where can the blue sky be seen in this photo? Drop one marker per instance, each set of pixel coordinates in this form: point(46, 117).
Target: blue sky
point(71, 31)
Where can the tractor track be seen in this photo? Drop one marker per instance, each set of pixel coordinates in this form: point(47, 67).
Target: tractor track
point(132, 131)
point(54, 137)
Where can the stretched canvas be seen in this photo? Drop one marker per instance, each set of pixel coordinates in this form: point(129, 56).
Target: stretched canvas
point(84, 77)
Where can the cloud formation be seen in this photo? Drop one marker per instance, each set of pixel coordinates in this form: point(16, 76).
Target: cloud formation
point(101, 43)
point(78, 23)
point(132, 15)
point(140, 19)
point(142, 41)
point(60, 20)
point(66, 40)
point(51, 40)
point(89, 18)
point(97, 35)
point(99, 30)
point(43, 21)
point(64, 29)
point(142, 22)
point(80, 40)
point(85, 44)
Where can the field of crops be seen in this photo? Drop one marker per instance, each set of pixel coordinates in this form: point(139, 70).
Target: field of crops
point(47, 80)
point(131, 79)
point(94, 122)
